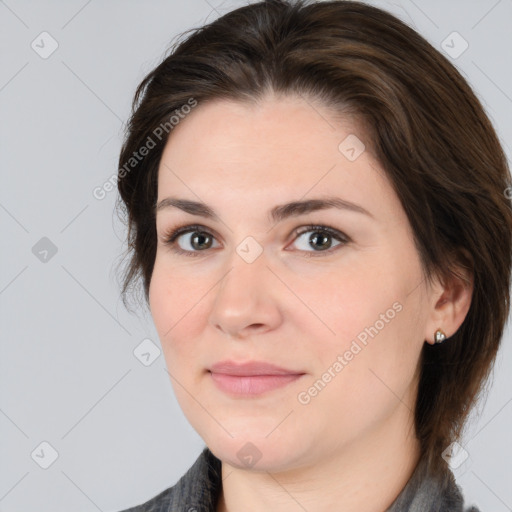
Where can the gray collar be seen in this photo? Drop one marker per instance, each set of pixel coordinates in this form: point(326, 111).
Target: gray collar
point(198, 491)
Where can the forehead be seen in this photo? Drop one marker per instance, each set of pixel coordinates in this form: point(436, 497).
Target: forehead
point(282, 148)
point(287, 133)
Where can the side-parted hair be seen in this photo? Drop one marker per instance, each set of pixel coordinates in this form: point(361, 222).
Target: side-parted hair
point(421, 120)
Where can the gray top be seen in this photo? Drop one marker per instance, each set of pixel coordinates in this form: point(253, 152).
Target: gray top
point(198, 491)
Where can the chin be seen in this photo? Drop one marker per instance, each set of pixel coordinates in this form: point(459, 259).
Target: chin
point(255, 451)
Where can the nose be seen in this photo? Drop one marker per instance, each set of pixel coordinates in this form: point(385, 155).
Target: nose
point(246, 301)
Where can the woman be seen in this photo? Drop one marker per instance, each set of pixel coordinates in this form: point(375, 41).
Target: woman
point(317, 207)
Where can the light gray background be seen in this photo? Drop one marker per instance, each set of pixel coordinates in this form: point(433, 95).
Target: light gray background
point(69, 376)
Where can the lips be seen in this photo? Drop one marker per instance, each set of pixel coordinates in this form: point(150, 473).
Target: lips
point(252, 378)
point(251, 368)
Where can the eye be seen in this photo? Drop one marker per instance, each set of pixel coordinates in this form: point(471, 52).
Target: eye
point(320, 238)
point(197, 239)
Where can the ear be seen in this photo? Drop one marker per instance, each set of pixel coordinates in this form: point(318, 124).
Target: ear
point(450, 299)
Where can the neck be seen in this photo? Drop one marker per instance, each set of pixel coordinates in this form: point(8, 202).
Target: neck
point(366, 476)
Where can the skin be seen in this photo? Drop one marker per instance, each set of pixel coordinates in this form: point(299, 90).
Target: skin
point(353, 446)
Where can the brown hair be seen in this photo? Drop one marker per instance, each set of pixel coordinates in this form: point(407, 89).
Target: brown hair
point(422, 121)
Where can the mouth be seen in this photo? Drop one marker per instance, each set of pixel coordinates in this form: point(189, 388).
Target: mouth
point(251, 378)
point(251, 385)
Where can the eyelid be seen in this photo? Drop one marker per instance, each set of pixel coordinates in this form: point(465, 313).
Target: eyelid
point(169, 237)
point(338, 235)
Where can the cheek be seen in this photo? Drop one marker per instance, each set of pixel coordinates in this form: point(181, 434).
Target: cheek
point(371, 312)
point(345, 300)
point(175, 304)
point(364, 373)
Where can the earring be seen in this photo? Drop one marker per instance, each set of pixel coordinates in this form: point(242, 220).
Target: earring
point(439, 336)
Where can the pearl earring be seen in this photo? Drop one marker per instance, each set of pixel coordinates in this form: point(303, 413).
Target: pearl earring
point(439, 336)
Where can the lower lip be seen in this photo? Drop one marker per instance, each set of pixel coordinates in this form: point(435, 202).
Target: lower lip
point(251, 385)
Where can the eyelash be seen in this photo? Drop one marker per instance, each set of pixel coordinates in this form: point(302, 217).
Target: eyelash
point(170, 237)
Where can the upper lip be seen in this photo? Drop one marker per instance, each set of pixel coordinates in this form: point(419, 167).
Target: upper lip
point(251, 368)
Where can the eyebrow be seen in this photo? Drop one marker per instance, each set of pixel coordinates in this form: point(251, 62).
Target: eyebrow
point(276, 214)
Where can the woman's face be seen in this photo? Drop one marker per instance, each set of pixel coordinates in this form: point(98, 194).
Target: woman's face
point(343, 306)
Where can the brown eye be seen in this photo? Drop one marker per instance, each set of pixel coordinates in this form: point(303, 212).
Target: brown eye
point(199, 240)
point(194, 240)
point(320, 239)
point(190, 240)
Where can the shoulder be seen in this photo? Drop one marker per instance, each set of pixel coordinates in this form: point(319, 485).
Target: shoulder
point(453, 496)
point(196, 491)
point(159, 503)
point(450, 494)
point(428, 493)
